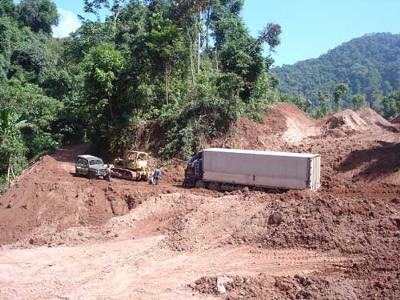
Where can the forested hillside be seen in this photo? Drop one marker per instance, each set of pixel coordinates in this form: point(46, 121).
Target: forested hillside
point(188, 68)
point(369, 65)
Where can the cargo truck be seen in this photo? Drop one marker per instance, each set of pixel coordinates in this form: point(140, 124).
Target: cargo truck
point(218, 167)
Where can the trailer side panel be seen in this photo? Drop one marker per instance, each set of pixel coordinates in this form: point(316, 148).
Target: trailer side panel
point(261, 168)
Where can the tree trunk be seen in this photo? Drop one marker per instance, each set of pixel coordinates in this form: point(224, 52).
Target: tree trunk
point(116, 16)
point(199, 44)
point(208, 28)
point(12, 173)
point(166, 83)
point(216, 59)
point(8, 174)
point(191, 55)
point(198, 53)
point(110, 108)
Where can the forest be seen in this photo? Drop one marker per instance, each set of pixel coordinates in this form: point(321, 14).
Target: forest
point(368, 66)
point(189, 68)
point(186, 70)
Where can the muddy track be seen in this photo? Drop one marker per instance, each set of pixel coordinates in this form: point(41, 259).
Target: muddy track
point(69, 237)
point(140, 268)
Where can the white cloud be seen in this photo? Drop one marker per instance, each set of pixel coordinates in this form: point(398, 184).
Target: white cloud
point(68, 23)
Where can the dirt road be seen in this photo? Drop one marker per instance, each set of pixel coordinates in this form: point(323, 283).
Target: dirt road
point(71, 238)
point(139, 269)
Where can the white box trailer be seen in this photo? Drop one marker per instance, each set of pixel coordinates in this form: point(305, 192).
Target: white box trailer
point(262, 168)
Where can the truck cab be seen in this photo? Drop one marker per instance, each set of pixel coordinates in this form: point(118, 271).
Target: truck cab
point(90, 166)
point(194, 170)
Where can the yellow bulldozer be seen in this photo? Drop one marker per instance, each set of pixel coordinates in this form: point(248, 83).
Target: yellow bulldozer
point(133, 166)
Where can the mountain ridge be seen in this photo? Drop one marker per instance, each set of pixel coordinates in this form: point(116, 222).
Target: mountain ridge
point(367, 64)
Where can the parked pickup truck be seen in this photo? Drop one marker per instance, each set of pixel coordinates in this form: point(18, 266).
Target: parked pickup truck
point(90, 166)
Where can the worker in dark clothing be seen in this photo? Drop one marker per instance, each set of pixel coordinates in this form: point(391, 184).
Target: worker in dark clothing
point(156, 176)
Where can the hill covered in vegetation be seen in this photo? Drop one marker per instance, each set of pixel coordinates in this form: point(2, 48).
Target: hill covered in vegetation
point(369, 65)
point(188, 68)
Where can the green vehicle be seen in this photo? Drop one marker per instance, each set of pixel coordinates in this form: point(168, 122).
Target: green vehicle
point(90, 166)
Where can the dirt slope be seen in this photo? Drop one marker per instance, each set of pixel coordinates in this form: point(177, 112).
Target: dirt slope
point(69, 237)
point(48, 195)
point(283, 123)
point(349, 121)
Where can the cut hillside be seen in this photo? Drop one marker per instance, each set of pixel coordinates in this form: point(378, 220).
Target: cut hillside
point(371, 117)
point(366, 143)
point(350, 121)
point(282, 123)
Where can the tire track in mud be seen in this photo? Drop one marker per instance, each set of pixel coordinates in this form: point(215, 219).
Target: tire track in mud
point(129, 268)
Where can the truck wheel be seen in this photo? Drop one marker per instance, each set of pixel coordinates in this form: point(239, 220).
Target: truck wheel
point(200, 184)
point(214, 186)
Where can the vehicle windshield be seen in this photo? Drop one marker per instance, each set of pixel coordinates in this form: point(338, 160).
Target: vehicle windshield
point(196, 157)
point(96, 162)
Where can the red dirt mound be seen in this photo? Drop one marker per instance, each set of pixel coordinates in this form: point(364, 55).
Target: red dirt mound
point(299, 125)
point(371, 117)
point(283, 122)
point(350, 121)
point(300, 286)
point(49, 196)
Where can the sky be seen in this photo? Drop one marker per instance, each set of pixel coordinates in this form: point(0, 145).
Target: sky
point(309, 27)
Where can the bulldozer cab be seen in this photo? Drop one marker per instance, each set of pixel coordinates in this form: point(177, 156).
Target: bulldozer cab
point(136, 160)
point(133, 166)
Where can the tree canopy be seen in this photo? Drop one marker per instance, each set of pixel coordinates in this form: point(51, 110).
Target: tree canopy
point(38, 15)
point(188, 68)
point(367, 65)
point(183, 70)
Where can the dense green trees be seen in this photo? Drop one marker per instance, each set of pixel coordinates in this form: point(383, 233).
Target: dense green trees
point(38, 15)
point(359, 101)
point(105, 111)
point(188, 68)
point(183, 70)
point(366, 65)
point(8, 8)
point(340, 90)
point(26, 122)
point(390, 106)
point(191, 67)
point(28, 60)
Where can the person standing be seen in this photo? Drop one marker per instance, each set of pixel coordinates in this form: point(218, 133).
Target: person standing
point(108, 174)
point(156, 176)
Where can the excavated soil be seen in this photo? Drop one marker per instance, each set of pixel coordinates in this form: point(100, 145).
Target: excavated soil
point(69, 237)
point(283, 123)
